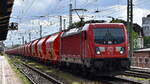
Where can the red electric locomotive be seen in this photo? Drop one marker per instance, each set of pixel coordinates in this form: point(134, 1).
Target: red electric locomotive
point(96, 47)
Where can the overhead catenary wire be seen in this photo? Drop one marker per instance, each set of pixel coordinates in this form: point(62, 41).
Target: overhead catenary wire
point(28, 8)
point(102, 10)
point(58, 6)
point(142, 5)
point(65, 5)
point(139, 2)
point(61, 8)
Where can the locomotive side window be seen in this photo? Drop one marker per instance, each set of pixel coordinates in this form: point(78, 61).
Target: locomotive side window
point(108, 35)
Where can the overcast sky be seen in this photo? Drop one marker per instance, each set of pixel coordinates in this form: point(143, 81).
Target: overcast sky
point(26, 12)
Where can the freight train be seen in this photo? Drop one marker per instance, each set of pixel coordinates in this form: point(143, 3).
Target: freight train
point(96, 48)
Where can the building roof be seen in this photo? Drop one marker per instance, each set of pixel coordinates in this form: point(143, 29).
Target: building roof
point(5, 11)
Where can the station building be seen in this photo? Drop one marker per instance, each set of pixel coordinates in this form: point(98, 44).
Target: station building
point(141, 58)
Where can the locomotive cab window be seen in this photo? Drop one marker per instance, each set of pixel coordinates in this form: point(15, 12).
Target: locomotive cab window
point(108, 35)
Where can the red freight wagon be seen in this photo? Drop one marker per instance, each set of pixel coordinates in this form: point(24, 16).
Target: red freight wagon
point(21, 48)
point(28, 49)
point(34, 48)
point(25, 50)
point(53, 47)
point(41, 48)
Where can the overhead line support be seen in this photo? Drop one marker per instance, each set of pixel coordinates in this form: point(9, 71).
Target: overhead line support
point(70, 14)
point(130, 26)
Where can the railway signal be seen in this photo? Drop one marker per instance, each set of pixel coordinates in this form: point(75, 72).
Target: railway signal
point(13, 26)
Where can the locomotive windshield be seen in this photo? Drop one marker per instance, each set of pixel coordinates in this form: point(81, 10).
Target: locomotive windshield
point(108, 36)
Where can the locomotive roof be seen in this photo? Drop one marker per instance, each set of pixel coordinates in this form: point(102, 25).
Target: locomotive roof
point(84, 28)
point(108, 23)
point(73, 31)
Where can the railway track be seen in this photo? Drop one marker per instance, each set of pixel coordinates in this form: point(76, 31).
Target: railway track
point(138, 73)
point(126, 80)
point(36, 76)
point(115, 80)
point(94, 80)
point(140, 70)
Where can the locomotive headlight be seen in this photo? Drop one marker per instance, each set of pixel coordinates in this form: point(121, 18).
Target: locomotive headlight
point(121, 50)
point(99, 50)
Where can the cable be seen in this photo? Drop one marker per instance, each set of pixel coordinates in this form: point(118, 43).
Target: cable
point(59, 4)
point(27, 9)
point(139, 2)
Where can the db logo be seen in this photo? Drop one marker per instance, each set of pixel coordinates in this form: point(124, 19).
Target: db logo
point(110, 50)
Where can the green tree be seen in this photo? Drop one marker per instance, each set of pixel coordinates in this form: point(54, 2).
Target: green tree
point(147, 41)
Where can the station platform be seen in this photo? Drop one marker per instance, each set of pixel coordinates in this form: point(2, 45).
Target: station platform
point(141, 69)
point(7, 75)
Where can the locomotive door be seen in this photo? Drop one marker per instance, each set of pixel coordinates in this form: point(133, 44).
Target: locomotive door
point(83, 45)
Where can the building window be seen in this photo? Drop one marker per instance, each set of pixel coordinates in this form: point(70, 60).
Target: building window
point(140, 60)
point(146, 60)
point(144, 28)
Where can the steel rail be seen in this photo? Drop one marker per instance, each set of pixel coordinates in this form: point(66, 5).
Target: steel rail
point(42, 74)
point(137, 74)
point(50, 78)
point(25, 74)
